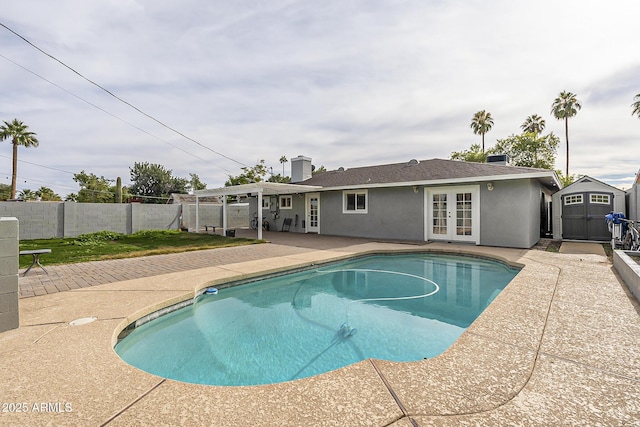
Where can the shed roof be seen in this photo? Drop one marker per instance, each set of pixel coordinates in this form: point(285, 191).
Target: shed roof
point(592, 182)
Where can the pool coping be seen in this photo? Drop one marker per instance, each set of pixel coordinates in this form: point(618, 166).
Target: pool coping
point(530, 358)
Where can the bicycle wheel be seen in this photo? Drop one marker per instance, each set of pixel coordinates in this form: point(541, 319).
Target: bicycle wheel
point(253, 224)
point(626, 241)
point(635, 243)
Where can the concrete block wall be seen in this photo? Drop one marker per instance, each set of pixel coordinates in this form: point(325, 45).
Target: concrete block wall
point(154, 217)
point(211, 214)
point(238, 215)
point(628, 269)
point(46, 220)
point(42, 220)
point(84, 218)
point(9, 318)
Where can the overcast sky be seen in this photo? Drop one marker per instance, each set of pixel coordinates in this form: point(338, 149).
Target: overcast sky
point(347, 83)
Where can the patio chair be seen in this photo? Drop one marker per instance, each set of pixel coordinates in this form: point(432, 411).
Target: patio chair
point(286, 225)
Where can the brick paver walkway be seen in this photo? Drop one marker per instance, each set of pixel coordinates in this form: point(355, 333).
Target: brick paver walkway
point(73, 276)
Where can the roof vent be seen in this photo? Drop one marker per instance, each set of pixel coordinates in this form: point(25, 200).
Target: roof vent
point(340, 169)
point(499, 159)
point(412, 162)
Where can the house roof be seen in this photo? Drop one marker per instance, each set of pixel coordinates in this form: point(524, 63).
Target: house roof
point(433, 171)
point(424, 172)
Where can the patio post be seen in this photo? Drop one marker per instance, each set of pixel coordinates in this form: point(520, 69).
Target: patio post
point(259, 219)
point(224, 215)
point(197, 214)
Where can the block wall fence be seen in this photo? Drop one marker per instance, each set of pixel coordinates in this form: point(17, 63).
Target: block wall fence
point(45, 220)
point(8, 274)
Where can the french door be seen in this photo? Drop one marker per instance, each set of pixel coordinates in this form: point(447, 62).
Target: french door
point(453, 214)
point(312, 224)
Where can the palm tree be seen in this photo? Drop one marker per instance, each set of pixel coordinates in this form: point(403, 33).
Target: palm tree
point(283, 160)
point(47, 195)
point(481, 123)
point(564, 106)
point(636, 106)
point(534, 124)
point(17, 131)
point(27, 194)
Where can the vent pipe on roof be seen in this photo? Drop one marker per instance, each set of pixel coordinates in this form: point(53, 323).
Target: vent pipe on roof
point(301, 169)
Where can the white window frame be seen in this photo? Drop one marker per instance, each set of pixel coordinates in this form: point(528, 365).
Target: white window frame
point(573, 199)
point(286, 202)
point(265, 203)
point(355, 193)
point(599, 199)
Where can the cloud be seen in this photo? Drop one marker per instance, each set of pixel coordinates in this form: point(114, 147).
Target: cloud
point(348, 84)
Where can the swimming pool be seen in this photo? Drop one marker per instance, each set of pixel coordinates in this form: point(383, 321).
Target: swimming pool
point(393, 307)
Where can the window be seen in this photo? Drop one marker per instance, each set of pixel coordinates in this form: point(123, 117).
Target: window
point(602, 199)
point(463, 214)
point(574, 199)
point(355, 202)
point(265, 203)
point(439, 221)
point(286, 202)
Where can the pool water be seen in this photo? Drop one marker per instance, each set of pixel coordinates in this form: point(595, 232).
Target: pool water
point(392, 307)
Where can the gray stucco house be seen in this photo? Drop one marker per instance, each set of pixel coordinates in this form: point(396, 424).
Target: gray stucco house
point(491, 204)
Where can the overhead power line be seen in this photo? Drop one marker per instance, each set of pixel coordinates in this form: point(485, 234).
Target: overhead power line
point(41, 166)
point(117, 97)
point(106, 112)
point(112, 193)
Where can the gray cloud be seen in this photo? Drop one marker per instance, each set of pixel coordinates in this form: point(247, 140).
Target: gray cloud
point(348, 84)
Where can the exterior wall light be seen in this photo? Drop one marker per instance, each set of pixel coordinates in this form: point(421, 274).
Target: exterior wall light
point(490, 186)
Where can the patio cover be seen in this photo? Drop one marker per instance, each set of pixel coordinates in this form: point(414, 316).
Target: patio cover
point(259, 189)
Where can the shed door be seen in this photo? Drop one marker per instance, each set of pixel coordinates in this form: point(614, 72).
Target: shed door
point(583, 216)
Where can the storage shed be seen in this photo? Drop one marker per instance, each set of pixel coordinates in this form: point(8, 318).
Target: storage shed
point(579, 209)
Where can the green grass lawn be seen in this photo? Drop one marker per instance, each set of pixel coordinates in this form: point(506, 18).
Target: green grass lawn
point(108, 245)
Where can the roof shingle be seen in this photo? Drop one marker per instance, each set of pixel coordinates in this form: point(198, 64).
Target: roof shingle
point(424, 170)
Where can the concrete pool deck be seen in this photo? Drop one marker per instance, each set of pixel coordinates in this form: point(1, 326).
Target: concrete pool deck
point(559, 346)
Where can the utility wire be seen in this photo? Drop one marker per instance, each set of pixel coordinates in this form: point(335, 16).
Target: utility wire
point(106, 112)
point(35, 181)
point(117, 97)
point(35, 164)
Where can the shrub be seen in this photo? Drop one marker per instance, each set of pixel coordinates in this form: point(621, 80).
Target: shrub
point(99, 238)
point(155, 233)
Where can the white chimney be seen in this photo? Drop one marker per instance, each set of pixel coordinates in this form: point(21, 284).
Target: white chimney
point(300, 168)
